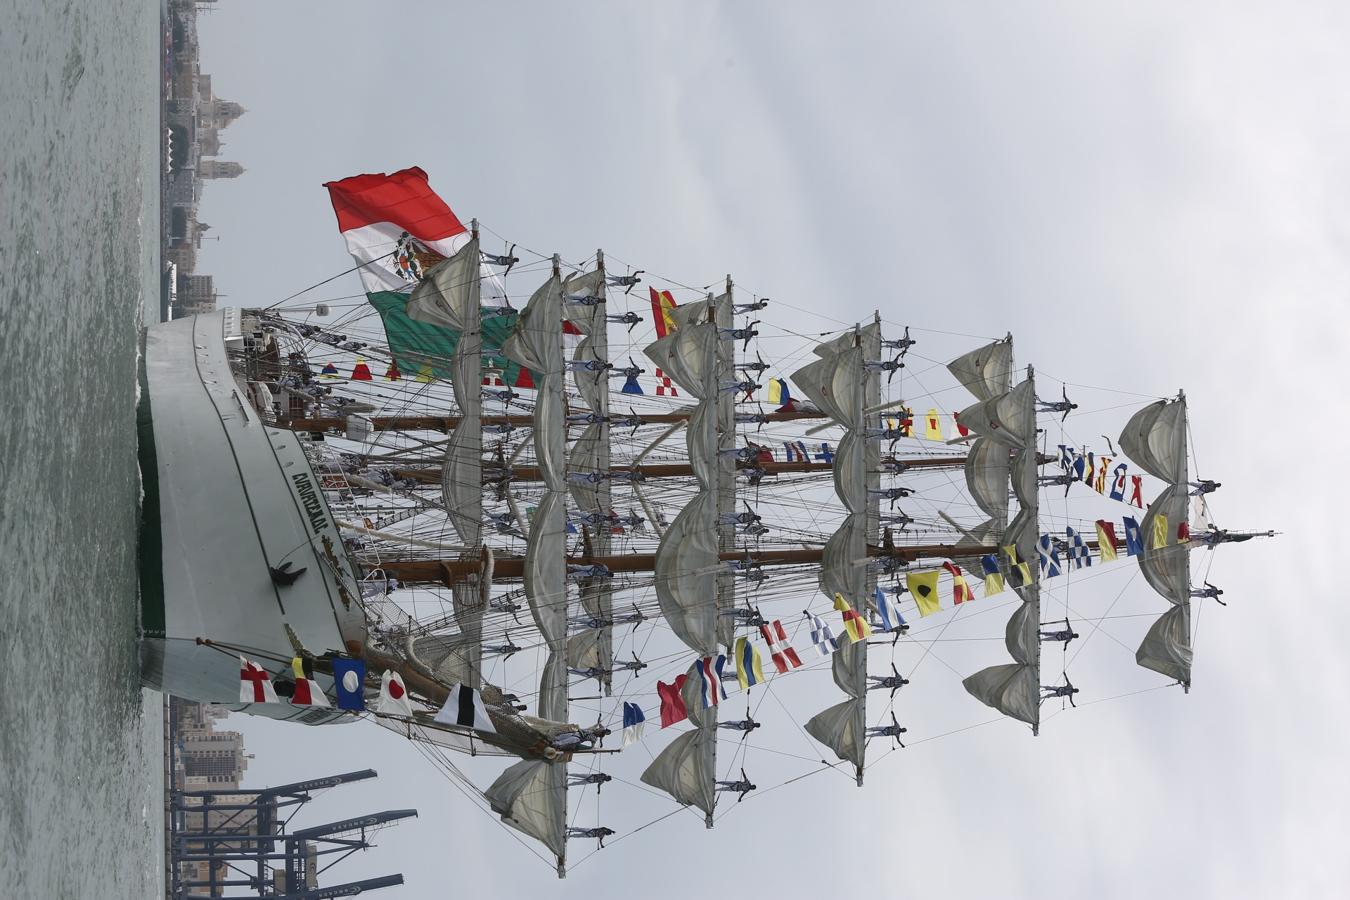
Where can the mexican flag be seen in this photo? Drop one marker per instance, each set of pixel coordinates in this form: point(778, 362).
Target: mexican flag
point(396, 229)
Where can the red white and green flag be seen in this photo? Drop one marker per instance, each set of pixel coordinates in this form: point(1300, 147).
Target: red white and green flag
point(397, 228)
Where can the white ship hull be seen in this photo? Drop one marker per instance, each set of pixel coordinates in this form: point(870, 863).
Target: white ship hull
point(227, 496)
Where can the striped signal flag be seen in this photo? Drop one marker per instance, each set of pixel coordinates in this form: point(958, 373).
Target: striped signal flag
point(855, 626)
point(783, 654)
point(960, 588)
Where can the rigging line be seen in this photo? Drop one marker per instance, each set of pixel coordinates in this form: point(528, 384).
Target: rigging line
point(1096, 627)
point(1095, 387)
point(674, 812)
point(959, 730)
point(1156, 687)
point(335, 277)
point(492, 817)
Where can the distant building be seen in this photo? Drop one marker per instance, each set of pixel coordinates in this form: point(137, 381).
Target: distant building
point(195, 118)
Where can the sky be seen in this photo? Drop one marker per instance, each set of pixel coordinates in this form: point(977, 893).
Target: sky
point(1149, 197)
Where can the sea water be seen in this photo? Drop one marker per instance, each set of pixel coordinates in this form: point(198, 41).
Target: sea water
point(81, 784)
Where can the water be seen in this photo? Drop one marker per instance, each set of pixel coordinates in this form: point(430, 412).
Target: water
point(81, 793)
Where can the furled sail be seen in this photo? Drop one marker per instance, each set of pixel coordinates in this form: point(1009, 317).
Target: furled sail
point(841, 385)
point(850, 471)
point(986, 371)
point(1155, 439)
point(545, 572)
point(687, 355)
point(536, 343)
point(591, 456)
point(536, 340)
point(1167, 646)
point(450, 291)
point(833, 383)
point(843, 563)
point(585, 460)
point(686, 768)
point(592, 384)
point(1008, 418)
point(701, 440)
point(462, 480)
point(686, 572)
point(1014, 688)
point(1167, 568)
point(531, 797)
point(553, 688)
point(987, 477)
point(843, 729)
point(580, 295)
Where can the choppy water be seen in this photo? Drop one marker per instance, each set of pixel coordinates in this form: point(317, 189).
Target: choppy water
point(80, 791)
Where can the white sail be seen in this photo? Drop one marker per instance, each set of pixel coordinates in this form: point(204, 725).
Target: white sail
point(1008, 418)
point(843, 563)
point(835, 384)
point(686, 574)
point(850, 471)
point(553, 688)
point(588, 317)
point(985, 372)
point(843, 729)
point(449, 291)
point(987, 477)
point(1155, 439)
point(585, 459)
point(462, 481)
point(849, 667)
point(687, 356)
point(531, 797)
point(583, 648)
point(1167, 568)
point(536, 341)
point(1024, 476)
point(1167, 646)
point(870, 335)
point(592, 384)
point(686, 768)
point(1014, 689)
point(701, 441)
point(1022, 634)
point(695, 313)
point(545, 569)
point(1011, 688)
point(453, 658)
point(550, 430)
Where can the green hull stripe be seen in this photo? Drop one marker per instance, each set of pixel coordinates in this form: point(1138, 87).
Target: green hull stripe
point(150, 548)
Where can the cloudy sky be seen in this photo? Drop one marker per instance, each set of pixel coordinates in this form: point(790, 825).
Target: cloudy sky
point(1149, 198)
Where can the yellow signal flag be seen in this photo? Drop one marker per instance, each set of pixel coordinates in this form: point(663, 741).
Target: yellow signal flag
point(924, 587)
point(298, 667)
point(855, 625)
point(1102, 463)
point(933, 428)
point(749, 672)
point(775, 391)
point(1106, 542)
point(1159, 531)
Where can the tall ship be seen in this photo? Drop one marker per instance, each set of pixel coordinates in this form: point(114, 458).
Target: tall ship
point(572, 527)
